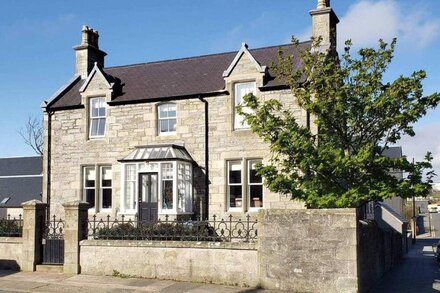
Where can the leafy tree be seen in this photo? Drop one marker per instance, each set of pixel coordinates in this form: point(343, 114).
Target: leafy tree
point(356, 115)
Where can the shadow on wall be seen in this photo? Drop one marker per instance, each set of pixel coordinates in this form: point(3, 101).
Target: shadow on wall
point(199, 206)
point(8, 264)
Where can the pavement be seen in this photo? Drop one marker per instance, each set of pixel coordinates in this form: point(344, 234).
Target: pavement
point(11, 281)
point(417, 272)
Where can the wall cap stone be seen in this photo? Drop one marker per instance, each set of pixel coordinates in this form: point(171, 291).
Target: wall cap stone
point(18, 240)
point(32, 203)
point(172, 244)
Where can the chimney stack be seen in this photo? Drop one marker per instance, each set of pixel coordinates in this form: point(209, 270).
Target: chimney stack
point(87, 53)
point(324, 21)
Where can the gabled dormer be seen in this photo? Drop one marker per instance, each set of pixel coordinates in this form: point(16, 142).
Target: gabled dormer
point(243, 76)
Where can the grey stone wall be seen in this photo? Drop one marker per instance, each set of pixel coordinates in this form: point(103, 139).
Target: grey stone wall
point(230, 264)
point(10, 253)
point(308, 250)
point(378, 252)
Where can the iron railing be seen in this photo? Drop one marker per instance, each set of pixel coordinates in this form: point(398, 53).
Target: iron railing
point(54, 228)
point(11, 227)
point(215, 230)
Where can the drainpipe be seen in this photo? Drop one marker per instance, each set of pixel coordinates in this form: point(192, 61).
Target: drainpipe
point(49, 159)
point(206, 217)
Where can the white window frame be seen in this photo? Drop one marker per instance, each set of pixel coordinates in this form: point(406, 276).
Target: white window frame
point(98, 117)
point(239, 123)
point(102, 188)
point(249, 184)
point(84, 193)
point(228, 184)
point(160, 119)
point(123, 185)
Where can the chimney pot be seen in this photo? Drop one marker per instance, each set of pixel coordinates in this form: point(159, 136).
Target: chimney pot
point(88, 53)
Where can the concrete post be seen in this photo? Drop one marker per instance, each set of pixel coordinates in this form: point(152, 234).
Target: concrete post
point(34, 212)
point(76, 214)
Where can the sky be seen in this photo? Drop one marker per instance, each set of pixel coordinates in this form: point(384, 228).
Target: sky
point(36, 40)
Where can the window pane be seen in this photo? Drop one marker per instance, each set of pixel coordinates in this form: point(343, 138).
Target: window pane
point(101, 109)
point(167, 194)
point(153, 198)
point(94, 127)
point(94, 108)
point(256, 196)
point(106, 177)
point(163, 126)
point(235, 197)
point(90, 197)
point(167, 171)
point(106, 198)
point(253, 176)
point(163, 113)
point(235, 172)
point(171, 110)
point(101, 127)
point(172, 125)
point(129, 195)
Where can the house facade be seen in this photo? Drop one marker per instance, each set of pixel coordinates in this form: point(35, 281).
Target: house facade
point(164, 138)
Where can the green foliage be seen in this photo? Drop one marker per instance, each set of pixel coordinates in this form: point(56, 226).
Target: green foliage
point(337, 161)
point(9, 228)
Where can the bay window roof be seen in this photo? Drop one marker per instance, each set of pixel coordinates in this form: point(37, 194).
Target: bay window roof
point(164, 152)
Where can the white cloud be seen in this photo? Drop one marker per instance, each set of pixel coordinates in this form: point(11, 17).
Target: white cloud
point(367, 21)
point(426, 139)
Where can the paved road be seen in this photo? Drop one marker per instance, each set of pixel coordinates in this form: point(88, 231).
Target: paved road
point(417, 272)
point(53, 282)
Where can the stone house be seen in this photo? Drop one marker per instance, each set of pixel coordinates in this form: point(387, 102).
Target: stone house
point(164, 138)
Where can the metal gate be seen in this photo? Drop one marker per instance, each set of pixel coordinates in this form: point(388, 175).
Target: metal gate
point(53, 242)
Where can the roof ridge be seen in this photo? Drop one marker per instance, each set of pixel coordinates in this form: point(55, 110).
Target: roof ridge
point(20, 157)
point(199, 56)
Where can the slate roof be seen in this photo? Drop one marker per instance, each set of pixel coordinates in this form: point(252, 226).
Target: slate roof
point(20, 179)
point(393, 152)
point(178, 78)
point(21, 166)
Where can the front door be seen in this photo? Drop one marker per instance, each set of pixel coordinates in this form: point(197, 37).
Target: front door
point(148, 203)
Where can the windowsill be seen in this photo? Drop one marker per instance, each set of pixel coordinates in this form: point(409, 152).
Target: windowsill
point(96, 138)
point(235, 210)
point(167, 133)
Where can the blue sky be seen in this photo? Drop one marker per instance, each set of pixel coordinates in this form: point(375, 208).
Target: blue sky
point(36, 40)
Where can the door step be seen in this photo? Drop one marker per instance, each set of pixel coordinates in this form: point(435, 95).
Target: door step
point(49, 268)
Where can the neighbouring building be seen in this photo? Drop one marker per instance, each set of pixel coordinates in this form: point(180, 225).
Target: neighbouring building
point(21, 179)
point(165, 138)
point(396, 203)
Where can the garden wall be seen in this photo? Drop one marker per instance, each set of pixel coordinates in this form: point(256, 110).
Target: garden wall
point(219, 263)
point(10, 253)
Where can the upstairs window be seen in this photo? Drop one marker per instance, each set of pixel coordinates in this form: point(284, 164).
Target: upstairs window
point(167, 118)
point(242, 89)
point(97, 117)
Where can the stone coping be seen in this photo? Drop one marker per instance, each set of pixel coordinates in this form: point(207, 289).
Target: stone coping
point(18, 240)
point(172, 244)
